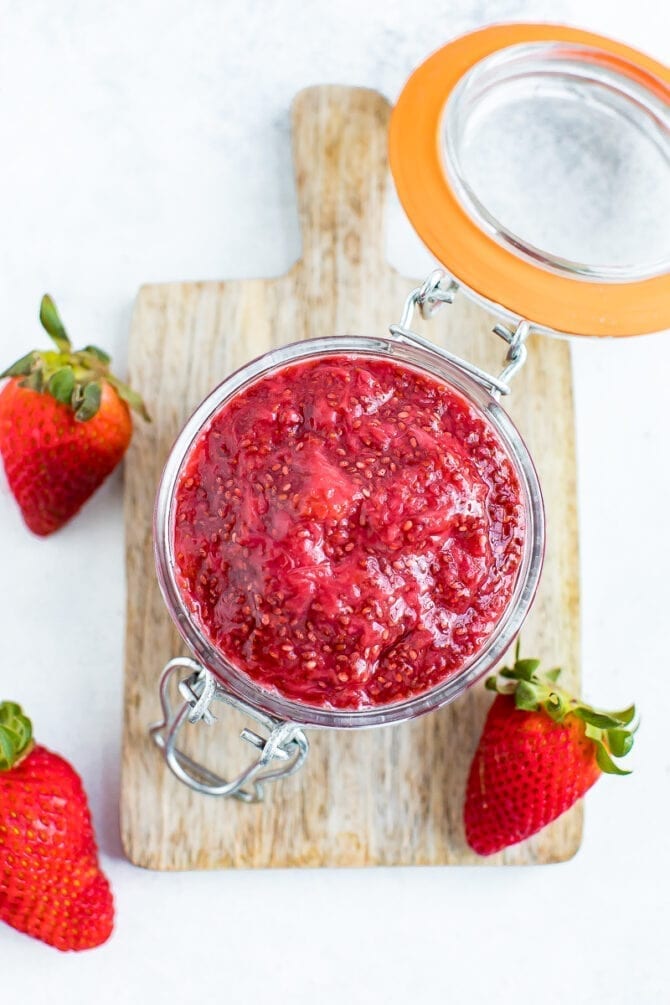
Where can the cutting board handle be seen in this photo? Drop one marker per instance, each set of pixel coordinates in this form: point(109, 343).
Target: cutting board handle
point(340, 157)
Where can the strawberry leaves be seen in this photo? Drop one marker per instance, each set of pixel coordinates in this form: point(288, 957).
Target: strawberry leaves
point(611, 732)
point(74, 378)
point(99, 354)
point(61, 384)
point(605, 762)
point(87, 403)
point(16, 734)
point(52, 324)
point(620, 741)
point(22, 367)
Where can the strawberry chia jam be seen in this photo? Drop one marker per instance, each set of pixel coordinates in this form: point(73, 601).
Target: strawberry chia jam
point(348, 531)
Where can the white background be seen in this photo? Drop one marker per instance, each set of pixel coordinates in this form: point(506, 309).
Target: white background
point(150, 141)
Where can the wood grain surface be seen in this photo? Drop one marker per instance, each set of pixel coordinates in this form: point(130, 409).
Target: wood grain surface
point(381, 797)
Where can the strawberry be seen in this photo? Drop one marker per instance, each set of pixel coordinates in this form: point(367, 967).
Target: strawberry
point(64, 426)
point(51, 886)
point(539, 752)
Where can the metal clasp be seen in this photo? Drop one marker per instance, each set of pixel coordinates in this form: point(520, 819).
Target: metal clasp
point(439, 289)
point(282, 752)
point(436, 291)
point(517, 351)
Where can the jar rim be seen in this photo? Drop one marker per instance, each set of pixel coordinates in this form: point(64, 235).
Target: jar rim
point(272, 702)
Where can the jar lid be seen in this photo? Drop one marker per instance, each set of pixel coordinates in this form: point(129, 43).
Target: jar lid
point(534, 162)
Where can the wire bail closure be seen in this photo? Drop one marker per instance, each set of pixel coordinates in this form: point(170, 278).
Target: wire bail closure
point(439, 289)
point(282, 752)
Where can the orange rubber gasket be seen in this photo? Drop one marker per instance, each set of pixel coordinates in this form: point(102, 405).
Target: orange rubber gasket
point(476, 259)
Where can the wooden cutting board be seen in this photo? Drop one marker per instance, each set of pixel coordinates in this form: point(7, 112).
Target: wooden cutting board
point(388, 796)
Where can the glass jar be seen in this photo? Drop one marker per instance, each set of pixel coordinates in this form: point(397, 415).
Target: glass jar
point(427, 361)
point(503, 243)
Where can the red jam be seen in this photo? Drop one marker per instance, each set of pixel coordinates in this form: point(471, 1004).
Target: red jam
point(348, 531)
